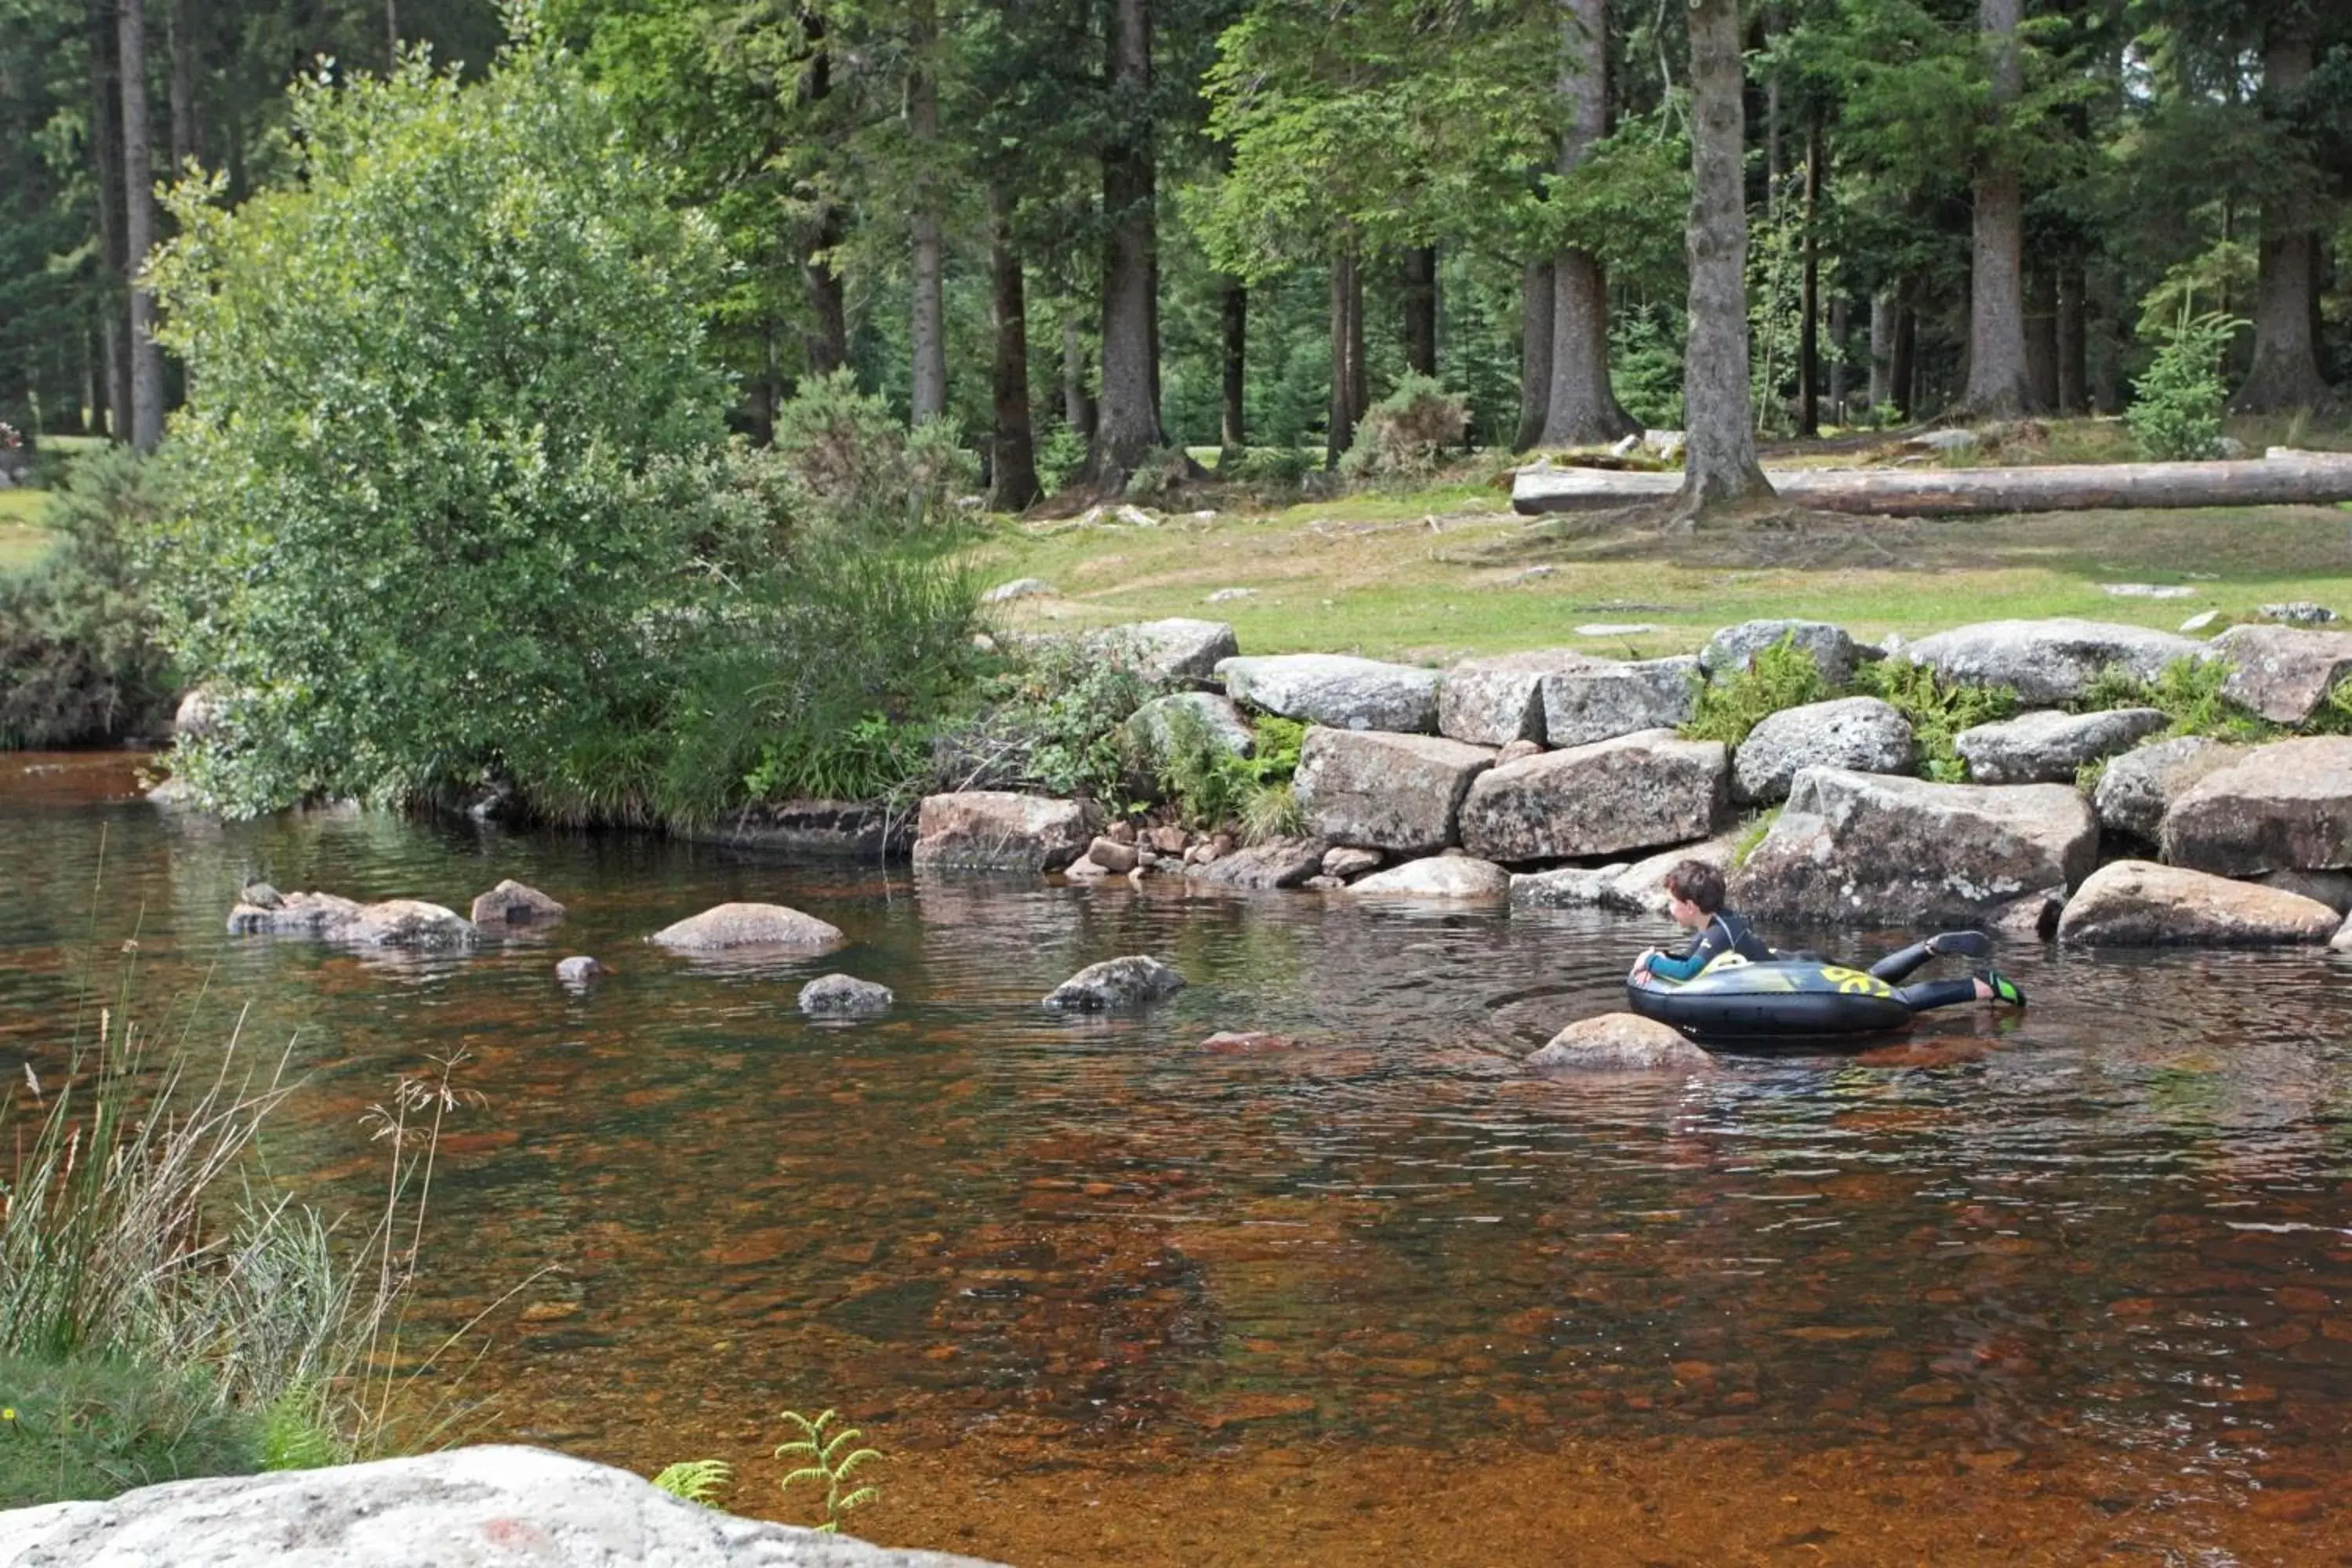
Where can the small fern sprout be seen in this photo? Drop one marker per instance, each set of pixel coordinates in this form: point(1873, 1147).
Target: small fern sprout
point(696, 1480)
point(828, 1466)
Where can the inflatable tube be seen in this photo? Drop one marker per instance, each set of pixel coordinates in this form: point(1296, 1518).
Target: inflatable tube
point(1783, 999)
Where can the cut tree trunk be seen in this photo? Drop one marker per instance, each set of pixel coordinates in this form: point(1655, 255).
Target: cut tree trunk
point(1127, 420)
point(1720, 469)
point(139, 230)
point(1996, 385)
point(1535, 352)
point(1581, 408)
point(1232, 433)
point(1014, 465)
point(2285, 370)
point(926, 326)
point(2285, 478)
point(1421, 310)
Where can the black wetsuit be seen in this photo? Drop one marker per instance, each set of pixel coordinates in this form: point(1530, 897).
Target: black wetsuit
point(1927, 993)
point(1725, 933)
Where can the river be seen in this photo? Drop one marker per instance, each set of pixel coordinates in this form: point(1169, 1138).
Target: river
point(2066, 1287)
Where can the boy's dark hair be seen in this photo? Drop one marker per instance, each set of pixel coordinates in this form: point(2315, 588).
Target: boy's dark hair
point(1696, 882)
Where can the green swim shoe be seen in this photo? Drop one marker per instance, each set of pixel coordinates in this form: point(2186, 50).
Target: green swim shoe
point(2004, 989)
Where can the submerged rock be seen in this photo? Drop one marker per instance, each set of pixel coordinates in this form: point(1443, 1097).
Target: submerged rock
point(407, 922)
point(2284, 806)
point(2048, 663)
point(1637, 791)
point(1619, 1042)
point(1001, 830)
point(1437, 876)
point(1336, 689)
point(846, 996)
point(290, 914)
point(726, 926)
point(1377, 790)
point(1115, 982)
point(511, 904)
point(495, 1506)
point(2137, 903)
point(1873, 847)
point(2050, 747)
point(579, 970)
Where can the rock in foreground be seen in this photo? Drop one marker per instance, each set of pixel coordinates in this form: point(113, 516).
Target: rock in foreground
point(1619, 1042)
point(1861, 733)
point(2137, 903)
point(845, 997)
point(1494, 701)
point(2140, 785)
point(1871, 847)
point(1177, 649)
point(726, 926)
point(1734, 648)
point(2281, 672)
point(490, 1507)
point(1277, 863)
point(2281, 808)
point(1115, 982)
point(1001, 830)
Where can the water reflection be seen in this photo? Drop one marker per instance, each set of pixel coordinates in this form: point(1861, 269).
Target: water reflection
point(2115, 1232)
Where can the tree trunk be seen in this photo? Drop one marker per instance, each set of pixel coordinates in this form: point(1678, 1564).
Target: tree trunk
point(1536, 297)
point(106, 171)
point(1809, 322)
point(1126, 422)
point(1232, 434)
point(825, 344)
point(2285, 369)
point(391, 34)
point(1903, 367)
point(1839, 328)
point(139, 229)
point(2071, 381)
point(1881, 348)
point(1719, 467)
point(1421, 310)
point(95, 383)
point(1078, 405)
point(2282, 479)
point(2042, 337)
point(925, 330)
point(1581, 408)
point(184, 142)
point(1996, 384)
point(1348, 378)
point(1014, 464)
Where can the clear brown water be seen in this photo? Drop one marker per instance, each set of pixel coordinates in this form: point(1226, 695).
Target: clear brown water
point(2077, 1288)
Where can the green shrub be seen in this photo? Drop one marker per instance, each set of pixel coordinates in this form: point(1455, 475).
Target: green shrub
point(861, 468)
point(92, 1426)
point(79, 660)
point(1406, 435)
point(2176, 410)
point(1283, 468)
point(1212, 788)
point(1936, 709)
point(2189, 692)
point(1781, 676)
point(1060, 458)
point(1645, 365)
point(1051, 717)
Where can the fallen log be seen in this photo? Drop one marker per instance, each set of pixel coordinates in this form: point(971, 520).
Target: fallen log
point(2282, 477)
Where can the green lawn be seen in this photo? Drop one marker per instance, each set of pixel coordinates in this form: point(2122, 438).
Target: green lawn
point(22, 538)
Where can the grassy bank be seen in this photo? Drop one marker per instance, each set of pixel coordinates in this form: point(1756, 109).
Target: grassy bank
point(23, 540)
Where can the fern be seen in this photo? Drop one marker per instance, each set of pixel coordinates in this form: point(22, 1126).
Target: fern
point(696, 1480)
point(1781, 676)
point(1936, 709)
point(828, 1466)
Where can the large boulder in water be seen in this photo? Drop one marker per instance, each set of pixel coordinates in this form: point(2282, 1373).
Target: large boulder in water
point(1494, 701)
point(1277, 863)
point(2284, 673)
point(1336, 689)
point(1638, 791)
point(1861, 733)
point(2285, 806)
point(1734, 648)
point(2050, 747)
point(1115, 982)
point(1619, 1042)
point(2048, 663)
point(1872, 846)
point(495, 1506)
point(1001, 830)
point(513, 903)
point(845, 997)
point(2137, 788)
point(726, 926)
point(2137, 903)
point(1565, 886)
point(1606, 701)
point(271, 913)
point(406, 924)
point(1385, 791)
point(1438, 876)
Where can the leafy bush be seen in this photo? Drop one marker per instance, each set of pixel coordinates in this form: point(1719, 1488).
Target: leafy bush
point(1162, 471)
point(1406, 435)
point(1052, 719)
point(1060, 458)
point(1937, 710)
point(78, 657)
point(1211, 787)
point(860, 466)
point(2175, 411)
point(1781, 676)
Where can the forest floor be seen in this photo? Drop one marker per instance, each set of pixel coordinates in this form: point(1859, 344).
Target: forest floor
point(1447, 572)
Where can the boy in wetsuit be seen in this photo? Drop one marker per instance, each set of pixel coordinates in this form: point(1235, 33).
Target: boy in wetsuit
point(1695, 898)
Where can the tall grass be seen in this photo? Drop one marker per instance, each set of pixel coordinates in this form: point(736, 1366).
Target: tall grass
point(147, 1263)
